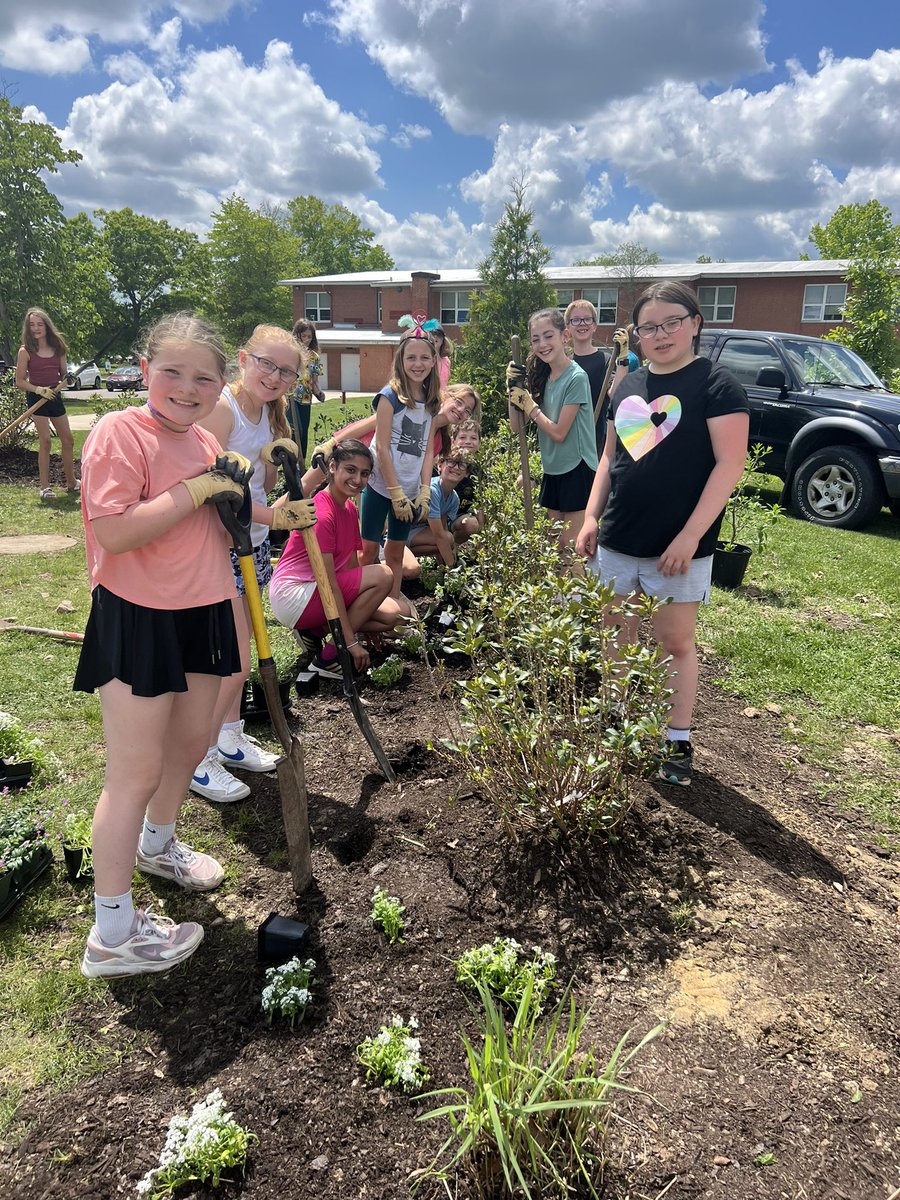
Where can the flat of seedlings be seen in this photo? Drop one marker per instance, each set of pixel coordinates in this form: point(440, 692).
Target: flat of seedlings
point(754, 916)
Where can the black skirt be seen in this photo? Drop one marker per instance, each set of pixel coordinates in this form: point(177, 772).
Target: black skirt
point(50, 408)
point(567, 493)
point(152, 649)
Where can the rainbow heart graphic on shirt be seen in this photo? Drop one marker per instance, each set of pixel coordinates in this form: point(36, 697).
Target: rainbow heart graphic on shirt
point(641, 426)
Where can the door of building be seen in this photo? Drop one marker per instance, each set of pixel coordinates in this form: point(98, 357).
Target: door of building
point(349, 371)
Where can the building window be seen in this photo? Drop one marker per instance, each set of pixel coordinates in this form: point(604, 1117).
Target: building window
point(564, 297)
point(717, 303)
point(378, 305)
point(606, 302)
point(317, 306)
point(455, 308)
point(824, 301)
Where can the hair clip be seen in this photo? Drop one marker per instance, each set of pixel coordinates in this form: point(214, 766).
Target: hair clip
point(418, 325)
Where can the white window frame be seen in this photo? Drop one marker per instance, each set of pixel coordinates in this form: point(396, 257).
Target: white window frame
point(378, 306)
point(317, 307)
point(718, 308)
point(455, 307)
point(606, 302)
point(564, 297)
point(825, 307)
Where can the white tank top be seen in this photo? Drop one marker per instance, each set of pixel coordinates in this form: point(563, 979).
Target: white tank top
point(248, 439)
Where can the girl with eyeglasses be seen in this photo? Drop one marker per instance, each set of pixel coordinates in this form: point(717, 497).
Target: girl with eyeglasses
point(675, 447)
point(249, 417)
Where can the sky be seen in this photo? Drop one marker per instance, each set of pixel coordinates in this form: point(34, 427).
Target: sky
point(719, 127)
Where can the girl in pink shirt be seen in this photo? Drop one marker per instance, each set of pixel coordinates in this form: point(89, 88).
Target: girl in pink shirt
point(160, 635)
point(360, 593)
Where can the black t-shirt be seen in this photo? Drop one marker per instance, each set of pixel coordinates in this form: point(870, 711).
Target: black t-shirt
point(594, 366)
point(467, 490)
point(664, 455)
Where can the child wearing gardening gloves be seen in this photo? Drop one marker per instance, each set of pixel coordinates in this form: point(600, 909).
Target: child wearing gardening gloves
point(160, 635)
point(433, 533)
point(249, 417)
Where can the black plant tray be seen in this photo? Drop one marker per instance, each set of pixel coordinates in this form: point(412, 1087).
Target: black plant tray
point(22, 878)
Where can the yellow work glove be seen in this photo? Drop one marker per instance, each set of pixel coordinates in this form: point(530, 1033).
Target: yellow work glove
point(326, 449)
point(279, 444)
point(234, 465)
point(515, 376)
point(620, 340)
point(423, 502)
point(401, 504)
point(296, 514)
point(215, 485)
point(45, 393)
point(521, 400)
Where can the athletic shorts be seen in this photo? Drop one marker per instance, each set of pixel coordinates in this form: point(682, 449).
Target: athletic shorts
point(299, 605)
point(628, 576)
point(153, 649)
point(567, 493)
point(50, 408)
point(374, 509)
point(262, 566)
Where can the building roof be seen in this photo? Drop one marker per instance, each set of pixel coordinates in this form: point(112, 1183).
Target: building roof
point(350, 336)
point(469, 277)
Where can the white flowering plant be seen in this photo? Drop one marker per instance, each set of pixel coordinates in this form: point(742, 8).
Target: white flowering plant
point(289, 990)
point(394, 1056)
point(198, 1149)
point(387, 911)
point(504, 969)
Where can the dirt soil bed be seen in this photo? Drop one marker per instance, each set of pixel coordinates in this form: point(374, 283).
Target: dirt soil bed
point(758, 919)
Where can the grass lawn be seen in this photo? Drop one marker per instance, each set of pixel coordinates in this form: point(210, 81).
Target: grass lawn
point(816, 631)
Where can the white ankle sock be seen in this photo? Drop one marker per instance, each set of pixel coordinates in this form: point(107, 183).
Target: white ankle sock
point(678, 735)
point(114, 916)
point(155, 838)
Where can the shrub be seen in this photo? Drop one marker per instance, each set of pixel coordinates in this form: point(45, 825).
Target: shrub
point(389, 673)
point(78, 835)
point(500, 966)
point(532, 1120)
point(12, 405)
point(108, 402)
point(18, 745)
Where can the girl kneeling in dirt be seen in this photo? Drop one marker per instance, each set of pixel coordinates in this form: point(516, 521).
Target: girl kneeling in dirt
point(361, 594)
point(160, 635)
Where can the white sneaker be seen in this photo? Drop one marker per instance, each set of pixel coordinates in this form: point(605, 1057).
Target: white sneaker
point(213, 781)
point(239, 749)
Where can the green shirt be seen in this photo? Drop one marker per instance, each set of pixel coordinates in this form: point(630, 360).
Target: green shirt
point(580, 445)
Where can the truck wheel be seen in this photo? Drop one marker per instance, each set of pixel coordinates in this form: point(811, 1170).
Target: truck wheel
point(838, 486)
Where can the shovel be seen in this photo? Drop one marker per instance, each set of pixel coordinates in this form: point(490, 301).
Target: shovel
point(290, 770)
point(288, 464)
point(517, 421)
point(24, 416)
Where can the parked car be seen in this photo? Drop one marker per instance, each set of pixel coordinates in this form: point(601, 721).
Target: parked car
point(87, 375)
point(833, 426)
point(125, 379)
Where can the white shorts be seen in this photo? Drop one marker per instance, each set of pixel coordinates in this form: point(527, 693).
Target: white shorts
point(289, 599)
point(628, 576)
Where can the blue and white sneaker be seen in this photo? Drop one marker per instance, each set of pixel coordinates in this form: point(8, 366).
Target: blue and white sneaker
point(239, 750)
point(213, 782)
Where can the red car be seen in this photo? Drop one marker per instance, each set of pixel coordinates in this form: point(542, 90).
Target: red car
point(125, 379)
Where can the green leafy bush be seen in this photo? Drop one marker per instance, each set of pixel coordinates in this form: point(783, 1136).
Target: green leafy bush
point(12, 405)
point(18, 745)
point(108, 402)
point(748, 519)
point(394, 1056)
point(387, 912)
point(23, 828)
point(532, 1120)
point(78, 835)
point(502, 968)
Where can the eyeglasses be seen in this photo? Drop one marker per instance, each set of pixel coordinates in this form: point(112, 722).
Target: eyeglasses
point(581, 320)
point(269, 368)
point(459, 463)
point(669, 326)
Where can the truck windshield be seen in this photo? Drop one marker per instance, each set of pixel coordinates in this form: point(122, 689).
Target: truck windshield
point(821, 362)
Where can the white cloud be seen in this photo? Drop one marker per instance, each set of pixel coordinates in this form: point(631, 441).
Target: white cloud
point(549, 60)
point(424, 240)
point(175, 149)
point(409, 134)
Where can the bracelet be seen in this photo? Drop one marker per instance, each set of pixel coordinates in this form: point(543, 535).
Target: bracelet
point(352, 644)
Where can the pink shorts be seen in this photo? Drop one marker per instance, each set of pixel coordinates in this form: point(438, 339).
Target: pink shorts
point(313, 616)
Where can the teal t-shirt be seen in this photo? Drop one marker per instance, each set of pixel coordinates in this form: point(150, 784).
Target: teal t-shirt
point(580, 445)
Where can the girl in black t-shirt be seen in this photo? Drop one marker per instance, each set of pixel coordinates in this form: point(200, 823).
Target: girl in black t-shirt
point(675, 448)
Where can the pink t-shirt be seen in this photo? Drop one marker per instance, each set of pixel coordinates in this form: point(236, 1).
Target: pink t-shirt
point(337, 532)
point(444, 366)
point(129, 456)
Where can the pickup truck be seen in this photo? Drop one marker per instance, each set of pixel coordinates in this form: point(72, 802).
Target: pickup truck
point(833, 427)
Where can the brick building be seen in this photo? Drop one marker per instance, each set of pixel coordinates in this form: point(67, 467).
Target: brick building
point(356, 314)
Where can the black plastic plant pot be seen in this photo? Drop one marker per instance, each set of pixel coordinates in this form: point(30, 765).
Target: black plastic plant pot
point(15, 775)
point(74, 857)
point(730, 566)
point(21, 879)
point(307, 683)
point(280, 939)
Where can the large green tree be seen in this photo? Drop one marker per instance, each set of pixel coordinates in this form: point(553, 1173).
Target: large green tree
point(513, 287)
point(32, 259)
point(155, 268)
point(85, 305)
point(250, 250)
point(866, 235)
point(330, 239)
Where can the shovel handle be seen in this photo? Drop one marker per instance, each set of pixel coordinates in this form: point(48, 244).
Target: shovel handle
point(23, 416)
point(518, 423)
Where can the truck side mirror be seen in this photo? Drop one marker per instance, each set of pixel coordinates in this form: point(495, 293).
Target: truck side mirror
point(770, 377)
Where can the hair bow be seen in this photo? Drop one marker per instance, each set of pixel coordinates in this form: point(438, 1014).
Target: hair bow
point(418, 325)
